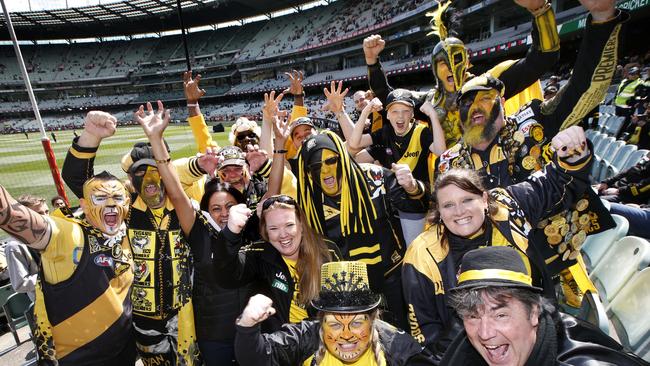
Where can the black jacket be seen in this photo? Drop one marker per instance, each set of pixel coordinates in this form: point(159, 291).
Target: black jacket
point(575, 343)
point(295, 343)
point(260, 265)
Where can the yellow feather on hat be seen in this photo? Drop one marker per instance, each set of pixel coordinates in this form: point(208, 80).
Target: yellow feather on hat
point(437, 25)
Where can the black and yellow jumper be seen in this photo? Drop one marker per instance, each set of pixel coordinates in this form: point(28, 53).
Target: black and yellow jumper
point(83, 303)
point(433, 259)
point(163, 263)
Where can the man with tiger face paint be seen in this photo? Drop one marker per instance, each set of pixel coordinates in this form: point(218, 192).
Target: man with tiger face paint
point(347, 332)
point(105, 204)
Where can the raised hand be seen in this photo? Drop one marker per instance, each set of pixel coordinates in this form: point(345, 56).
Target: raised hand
point(153, 123)
point(600, 10)
point(405, 177)
point(531, 5)
point(255, 157)
point(209, 161)
point(258, 309)
point(191, 87)
point(570, 144)
point(281, 129)
point(100, 124)
point(335, 97)
point(271, 105)
point(372, 47)
point(237, 218)
point(374, 105)
point(295, 78)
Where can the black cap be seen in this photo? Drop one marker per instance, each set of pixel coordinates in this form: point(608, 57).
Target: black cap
point(482, 82)
point(140, 154)
point(300, 121)
point(400, 96)
point(633, 70)
point(496, 266)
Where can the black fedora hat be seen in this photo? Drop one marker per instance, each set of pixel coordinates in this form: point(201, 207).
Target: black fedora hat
point(494, 266)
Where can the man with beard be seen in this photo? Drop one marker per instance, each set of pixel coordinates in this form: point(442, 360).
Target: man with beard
point(506, 150)
point(82, 306)
point(450, 62)
point(162, 308)
point(348, 330)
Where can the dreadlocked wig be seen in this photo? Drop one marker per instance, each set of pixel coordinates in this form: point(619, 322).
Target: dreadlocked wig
point(357, 212)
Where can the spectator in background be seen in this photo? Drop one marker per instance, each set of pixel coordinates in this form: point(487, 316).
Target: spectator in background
point(625, 95)
point(22, 261)
point(629, 186)
point(58, 202)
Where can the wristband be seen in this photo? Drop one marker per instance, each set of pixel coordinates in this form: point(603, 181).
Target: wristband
point(539, 11)
point(192, 104)
point(280, 151)
point(163, 161)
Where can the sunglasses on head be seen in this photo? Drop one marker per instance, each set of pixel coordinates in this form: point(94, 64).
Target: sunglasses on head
point(314, 167)
point(245, 135)
point(282, 198)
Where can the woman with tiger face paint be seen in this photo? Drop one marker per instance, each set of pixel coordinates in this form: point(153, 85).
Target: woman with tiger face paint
point(348, 331)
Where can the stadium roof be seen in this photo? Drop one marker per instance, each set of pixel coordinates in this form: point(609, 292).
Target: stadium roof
point(133, 17)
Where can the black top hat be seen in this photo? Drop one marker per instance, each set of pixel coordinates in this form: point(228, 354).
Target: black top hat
point(402, 96)
point(496, 266)
point(345, 289)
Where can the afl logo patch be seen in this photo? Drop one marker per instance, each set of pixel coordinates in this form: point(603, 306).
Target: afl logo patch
point(103, 260)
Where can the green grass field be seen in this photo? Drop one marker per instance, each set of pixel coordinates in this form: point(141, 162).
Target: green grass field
point(24, 169)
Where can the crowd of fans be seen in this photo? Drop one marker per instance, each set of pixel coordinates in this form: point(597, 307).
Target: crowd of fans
point(456, 213)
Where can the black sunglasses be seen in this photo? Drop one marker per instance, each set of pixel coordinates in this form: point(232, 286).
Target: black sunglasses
point(282, 198)
point(244, 135)
point(315, 167)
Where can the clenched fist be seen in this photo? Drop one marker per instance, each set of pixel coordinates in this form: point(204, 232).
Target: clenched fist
point(372, 47)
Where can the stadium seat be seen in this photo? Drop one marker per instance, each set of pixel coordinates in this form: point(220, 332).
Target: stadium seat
point(599, 151)
point(14, 309)
point(614, 125)
point(597, 139)
point(628, 313)
point(5, 292)
point(603, 121)
point(634, 158)
point(596, 245)
point(626, 257)
point(590, 133)
point(607, 158)
point(593, 311)
point(620, 158)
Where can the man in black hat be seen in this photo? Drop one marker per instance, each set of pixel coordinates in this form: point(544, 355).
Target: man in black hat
point(348, 330)
point(508, 322)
